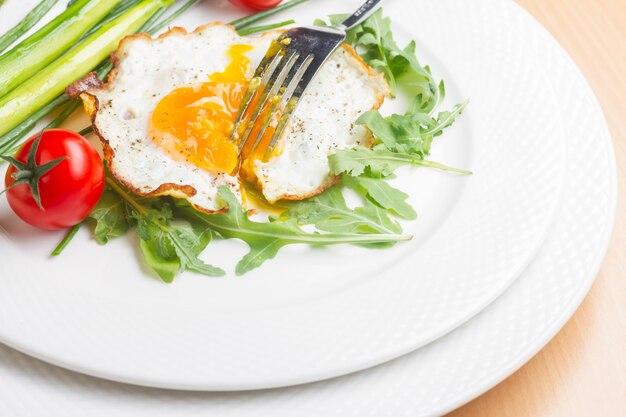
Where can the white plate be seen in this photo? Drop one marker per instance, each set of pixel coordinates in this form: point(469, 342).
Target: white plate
point(436, 378)
point(310, 314)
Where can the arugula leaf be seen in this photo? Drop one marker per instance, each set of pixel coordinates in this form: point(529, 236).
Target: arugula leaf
point(167, 248)
point(173, 244)
point(158, 251)
point(203, 234)
point(188, 246)
point(411, 132)
point(379, 162)
point(265, 239)
point(111, 217)
point(381, 129)
point(329, 212)
point(383, 194)
point(401, 139)
point(374, 41)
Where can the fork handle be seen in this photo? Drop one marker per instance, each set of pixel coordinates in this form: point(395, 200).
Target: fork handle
point(365, 11)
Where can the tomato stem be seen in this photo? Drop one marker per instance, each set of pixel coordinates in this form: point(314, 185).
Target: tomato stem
point(22, 175)
point(29, 173)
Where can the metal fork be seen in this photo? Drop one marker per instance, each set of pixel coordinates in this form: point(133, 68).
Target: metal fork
point(291, 62)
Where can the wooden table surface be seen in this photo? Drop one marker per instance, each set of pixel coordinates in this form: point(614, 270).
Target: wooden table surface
point(582, 371)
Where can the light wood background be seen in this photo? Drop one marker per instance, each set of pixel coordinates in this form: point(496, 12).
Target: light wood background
point(582, 372)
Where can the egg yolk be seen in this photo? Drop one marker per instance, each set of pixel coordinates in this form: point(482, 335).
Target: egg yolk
point(194, 123)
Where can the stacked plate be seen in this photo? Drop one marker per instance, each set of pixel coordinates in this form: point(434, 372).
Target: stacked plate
point(500, 260)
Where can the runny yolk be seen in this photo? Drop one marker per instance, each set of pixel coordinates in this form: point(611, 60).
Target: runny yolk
point(194, 123)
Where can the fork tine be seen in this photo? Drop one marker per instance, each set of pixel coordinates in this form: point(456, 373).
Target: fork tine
point(260, 79)
point(275, 83)
point(289, 102)
point(266, 122)
point(284, 94)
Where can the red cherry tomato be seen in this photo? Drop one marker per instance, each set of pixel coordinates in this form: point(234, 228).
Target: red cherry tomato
point(69, 191)
point(256, 4)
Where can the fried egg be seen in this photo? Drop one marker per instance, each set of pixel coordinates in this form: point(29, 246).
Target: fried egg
point(166, 114)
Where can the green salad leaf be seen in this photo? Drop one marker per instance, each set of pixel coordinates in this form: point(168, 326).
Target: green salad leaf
point(400, 139)
point(382, 194)
point(168, 248)
point(374, 41)
point(329, 212)
point(380, 162)
point(111, 217)
point(265, 239)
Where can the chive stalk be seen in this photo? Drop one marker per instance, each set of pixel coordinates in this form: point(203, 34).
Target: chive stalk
point(11, 139)
point(26, 23)
point(48, 43)
point(66, 240)
point(253, 18)
point(157, 27)
point(121, 8)
point(256, 29)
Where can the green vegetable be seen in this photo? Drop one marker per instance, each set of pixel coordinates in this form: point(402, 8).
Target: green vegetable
point(374, 41)
point(116, 12)
point(25, 24)
point(380, 162)
point(264, 28)
point(400, 139)
point(256, 17)
point(153, 28)
point(66, 240)
point(9, 141)
point(86, 131)
point(46, 85)
point(111, 216)
point(30, 172)
point(382, 194)
point(329, 212)
point(49, 42)
point(412, 132)
point(266, 238)
point(168, 249)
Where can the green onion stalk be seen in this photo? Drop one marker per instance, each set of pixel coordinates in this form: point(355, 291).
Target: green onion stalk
point(25, 24)
point(51, 41)
point(48, 83)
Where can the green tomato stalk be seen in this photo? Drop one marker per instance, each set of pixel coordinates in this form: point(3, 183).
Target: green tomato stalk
point(29, 173)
